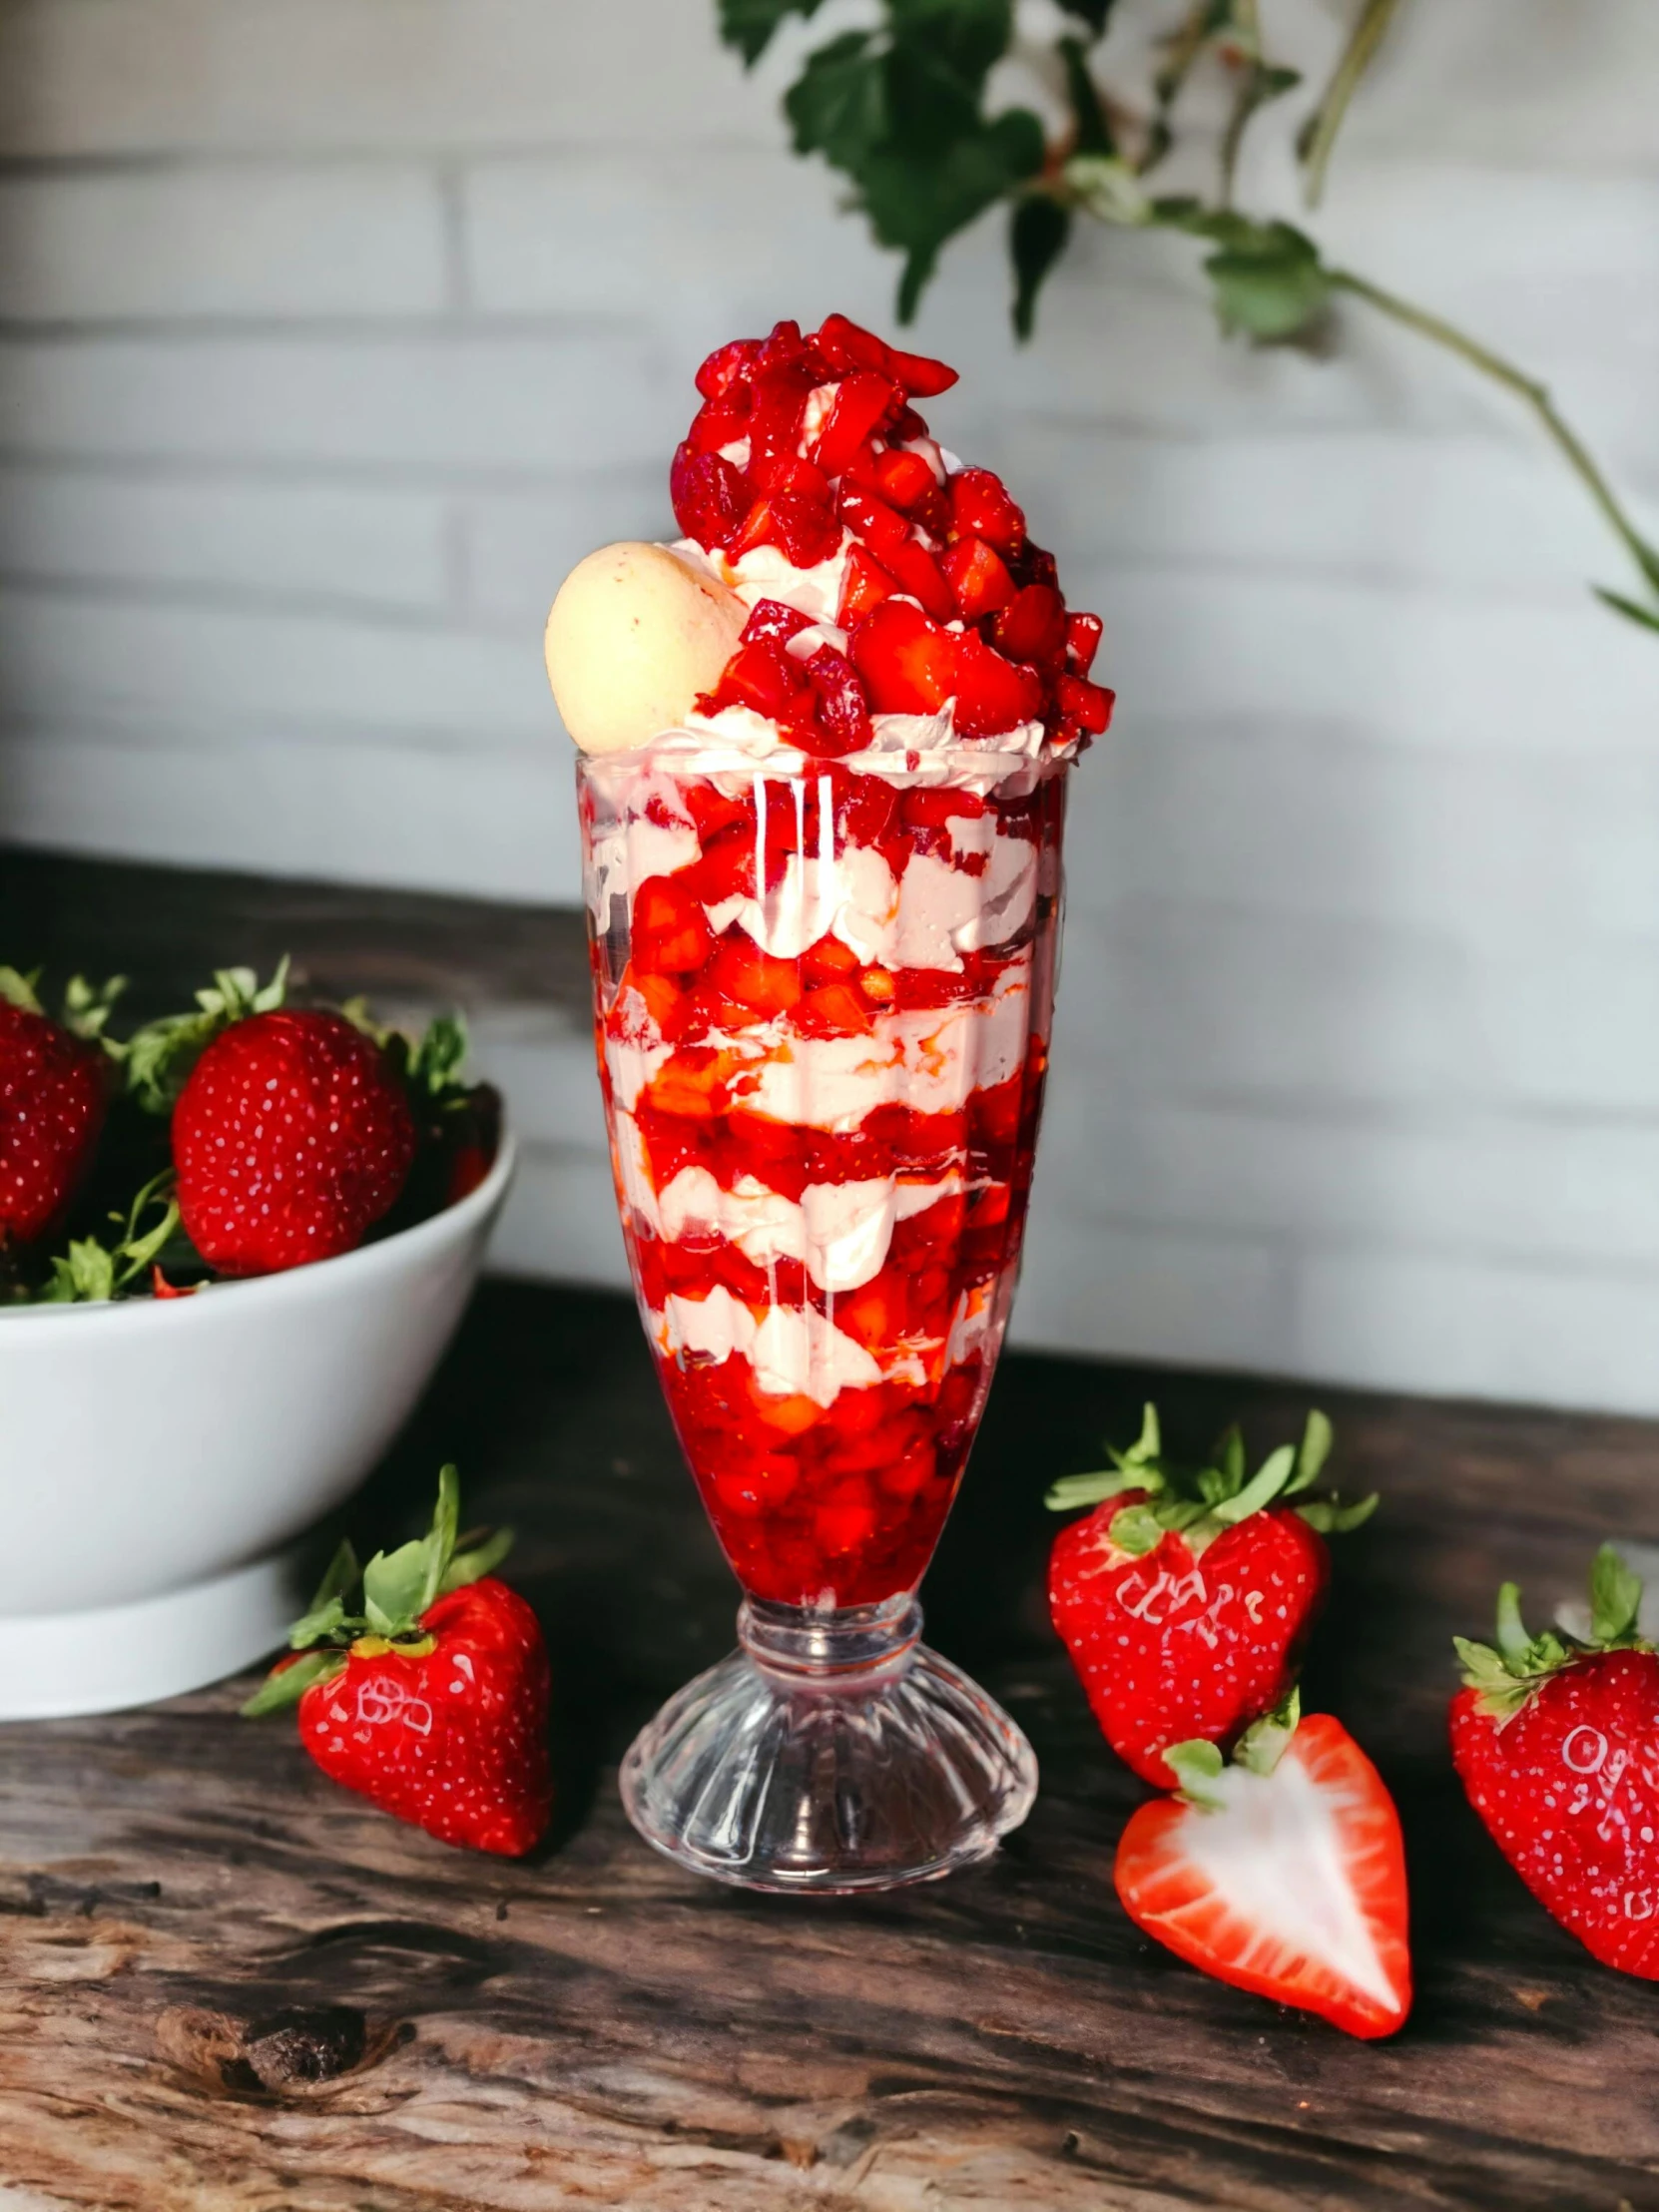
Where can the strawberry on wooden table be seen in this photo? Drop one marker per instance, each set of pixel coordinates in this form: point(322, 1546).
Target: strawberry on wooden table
point(1556, 1741)
point(432, 1698)
point(55, 1086)
point(1185, 1600)
point(1283, 1873)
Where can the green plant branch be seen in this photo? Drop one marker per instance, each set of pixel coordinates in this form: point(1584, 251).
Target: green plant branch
point(1526, 388)
point(1319, 134)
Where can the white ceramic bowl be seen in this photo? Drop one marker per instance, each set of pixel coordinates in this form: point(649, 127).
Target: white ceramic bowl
point(159, 1459)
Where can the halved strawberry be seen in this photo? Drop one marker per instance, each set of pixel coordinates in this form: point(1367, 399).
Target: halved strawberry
point(978, 576)
point(1282, 1874)
point(992, 695)
point(863, 587)
point(861, 401)
point(981, 508)
point(908, 663)
point(1032, 627)
point(709, 496)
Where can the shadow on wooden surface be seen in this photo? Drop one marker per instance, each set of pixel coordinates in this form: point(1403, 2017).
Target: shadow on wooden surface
point(231, 1985)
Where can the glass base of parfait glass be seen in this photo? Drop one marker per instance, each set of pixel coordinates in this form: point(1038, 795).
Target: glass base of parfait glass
point(832, 1751)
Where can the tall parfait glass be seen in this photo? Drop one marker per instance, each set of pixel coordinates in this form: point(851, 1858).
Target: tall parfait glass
point(823, 1005)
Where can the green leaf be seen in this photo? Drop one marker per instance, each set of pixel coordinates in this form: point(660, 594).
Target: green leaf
point(1091, 132)
point(83, 1277)
point(1261, 1490)
point(1615, 1597)
point(1037, 232)
point(967, 38)
point(1149, 1445)
point(1485, 1673)
point(19, 990)
point(159, 1057)
point(1137, 1530)
point(838, 107)
point(1633, 608)
point(1268, 296)
point(916, 201)
point(326, 1615)
point(436, 1062)
point(87, 1007)
point(1315, 1449)
point(1266, 1740)
point(441, 1544)
point(473, 1564)
point(1198, 1767)
point(1333, 1518)
point(749, 25)
point(1074, 1490)
point(289, 1684)
point(1512, 1640)
point(394, 1586)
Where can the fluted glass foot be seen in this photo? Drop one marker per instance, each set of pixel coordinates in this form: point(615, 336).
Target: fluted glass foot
point(832, 1751)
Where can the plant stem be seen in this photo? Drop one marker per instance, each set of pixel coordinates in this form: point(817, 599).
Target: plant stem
point(1319, 136)
point(1528, 388)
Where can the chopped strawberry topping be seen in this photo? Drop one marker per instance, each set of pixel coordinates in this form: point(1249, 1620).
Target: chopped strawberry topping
point(908, 663)
point(1083, 633)
point(864, 586)
point(771, 618)
point(978, 576)
point(992, 695)
point(905, 478)
point(842, 711)
point(981, 508)
point(863, 401)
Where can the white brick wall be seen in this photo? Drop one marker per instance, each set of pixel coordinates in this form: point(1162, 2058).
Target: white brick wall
point(332, 330)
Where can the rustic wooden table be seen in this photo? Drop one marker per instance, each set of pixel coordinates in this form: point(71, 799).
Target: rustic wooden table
point(228, 1986)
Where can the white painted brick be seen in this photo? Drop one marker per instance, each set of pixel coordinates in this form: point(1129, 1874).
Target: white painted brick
point(1555, 1188)
point(224, 241)
point(517, 547)
point(561, 1220)
point(361, 545)
point(432, 404)
point(1284, 817)
point(1556, 1337)
point(145, 76)
point(1152, 1294)
point(501, 824)
point(141, 666)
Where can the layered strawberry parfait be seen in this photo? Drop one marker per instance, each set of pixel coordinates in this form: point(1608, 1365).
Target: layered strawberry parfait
point(824, 900)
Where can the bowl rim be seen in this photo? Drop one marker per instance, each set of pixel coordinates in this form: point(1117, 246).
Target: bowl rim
point(258, 1294)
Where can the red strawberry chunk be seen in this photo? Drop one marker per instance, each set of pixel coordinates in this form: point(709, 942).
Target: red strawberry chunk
point(978, 576)
point(843, 711)
point(721, 421)
point(771, 618)
point(709, 496)
point(863, 587)
point(763, 676)
point(789, 473)
point(1291, 1885)
point(742, 971)
point(726, 366)
point(670, 931)
point(803, 533)
point(904, 479)
point(1032, 627)
point(923, 377)
point(1083, 633)
point(915, 571)
point(845, 346)
point(981, 508)
point(882, 527)
point(1088, 705)
point(907, 661)
point(862, 402)
point(992, 695)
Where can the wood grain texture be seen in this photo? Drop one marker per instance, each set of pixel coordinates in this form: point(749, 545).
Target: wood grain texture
point(227, 1986)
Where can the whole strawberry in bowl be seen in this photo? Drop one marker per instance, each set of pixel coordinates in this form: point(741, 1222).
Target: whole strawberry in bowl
point(188, 1391)
point(55, 1084)
point(1185, 1597)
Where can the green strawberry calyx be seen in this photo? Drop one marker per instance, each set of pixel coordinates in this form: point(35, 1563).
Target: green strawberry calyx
point(1200, 1503)
point(398, 1589)
point(90, 1273)
point(159, 1056)
point(1199, 1766)
point(86, 1008)
point(1506, 1672)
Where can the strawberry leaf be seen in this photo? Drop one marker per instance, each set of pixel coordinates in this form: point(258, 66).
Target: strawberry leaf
point(1198, 1767)
point(473, 1564)
point(1332, 1518)
point(85, 1275)
point(1615, 1597)
point(159, 1057)
point(441, 1544)
point(288, 1684)
point(87, 1008)
point(1266, 1740)
point(1316, 1439)
point(1272, 1476)
point(19, 990)
point(394, 1587)
point(1137, 1530)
